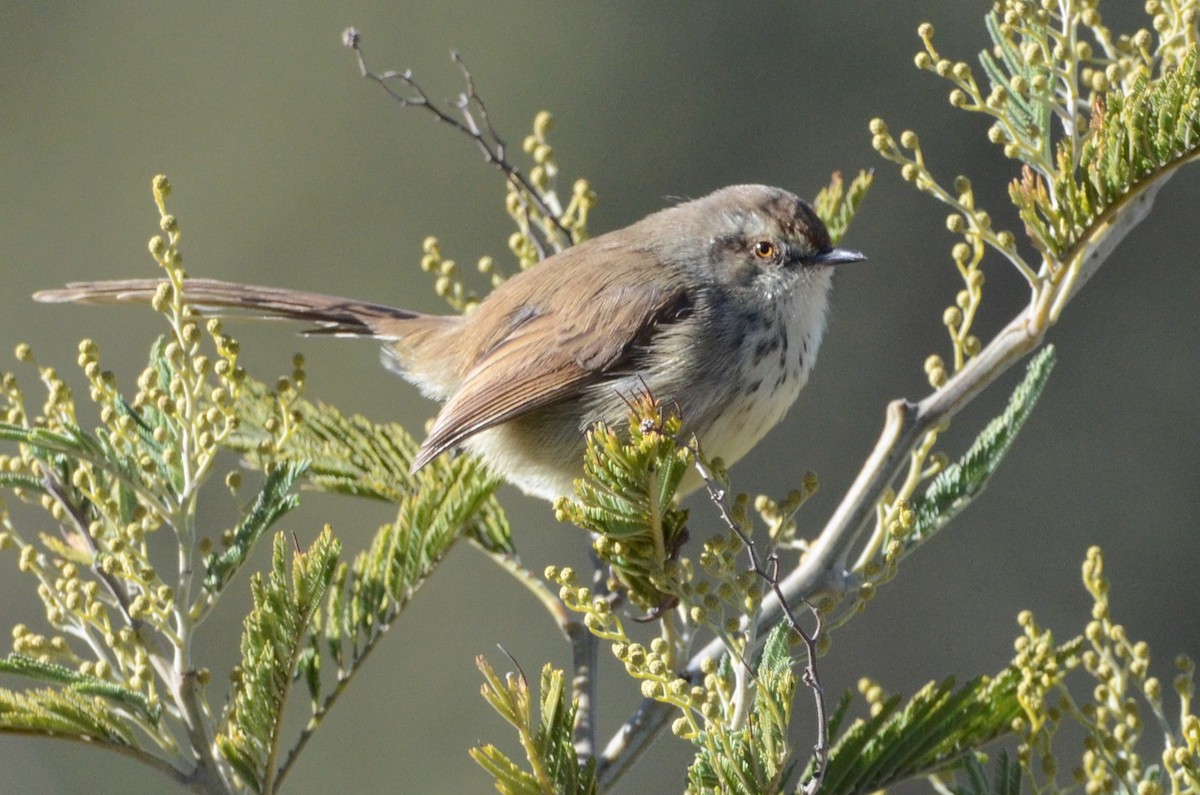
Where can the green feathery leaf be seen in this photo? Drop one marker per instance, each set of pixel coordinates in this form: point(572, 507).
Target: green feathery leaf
point(368, 594)
point(627, 498)
point(83, 684)
point(1136, 138)
point(1028, 114)
point(16, 480)
point(352, 455)
point(756, 758)
point(1007, 780)
point(62, 713)
point(960, 483)
point(547, 740)
point(933, 731)
point(273, 642)
point(836, 204)
point(349, 455)
point(274, 499)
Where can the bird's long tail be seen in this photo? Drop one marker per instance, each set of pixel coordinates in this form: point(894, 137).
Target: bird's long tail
point(331, 314)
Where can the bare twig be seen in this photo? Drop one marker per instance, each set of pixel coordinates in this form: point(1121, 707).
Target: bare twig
point(813, 682)
point(469, 103)
point(770, 574)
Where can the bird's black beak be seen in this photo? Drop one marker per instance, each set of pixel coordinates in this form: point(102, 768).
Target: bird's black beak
point(838, 256)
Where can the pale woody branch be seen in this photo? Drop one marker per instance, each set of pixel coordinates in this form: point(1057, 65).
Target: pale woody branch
point(1076, 216)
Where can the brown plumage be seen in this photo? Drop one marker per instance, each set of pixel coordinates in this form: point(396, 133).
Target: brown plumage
point(682, 303)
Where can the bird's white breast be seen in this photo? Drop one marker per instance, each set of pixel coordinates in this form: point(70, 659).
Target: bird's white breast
point(771, 373)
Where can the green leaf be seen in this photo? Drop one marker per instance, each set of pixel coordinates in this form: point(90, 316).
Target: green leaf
point(74, 442)
point(1030, 115)
point(369, 594)
point(80, 683)
point(274, 499)
point(929, 733)
point(1007, 780)
point(272, 644)
point(837, 205)
point(547, 739)
point(627, 498)
point(756, 758)
point(349, 455)
point(1135, 139)
point(353, 455)
point(16, 480)
point(960, 483)
point(62, 713)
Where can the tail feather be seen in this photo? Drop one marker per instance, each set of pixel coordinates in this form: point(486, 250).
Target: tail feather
point(331, 314)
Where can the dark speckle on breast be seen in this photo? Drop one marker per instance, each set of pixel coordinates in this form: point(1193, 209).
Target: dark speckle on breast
point(754, 322)
point(764, 347)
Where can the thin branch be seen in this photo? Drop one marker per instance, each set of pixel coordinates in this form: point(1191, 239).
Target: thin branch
point(770, 574)
point(813, 682)
point(536, 586)
point(486, 138)
point(114, 586)
point(344, 676)
point(585, 648)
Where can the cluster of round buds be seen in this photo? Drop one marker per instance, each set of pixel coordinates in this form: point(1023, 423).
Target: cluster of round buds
point(448, 282)
point(597, 613)
point(59, 401)
point(652, 665)
point(1037, 661)
point(41, 648)
point(574, 218)
point(538, 148)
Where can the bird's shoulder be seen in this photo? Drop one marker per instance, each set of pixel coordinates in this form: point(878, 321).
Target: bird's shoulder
point(592, 300)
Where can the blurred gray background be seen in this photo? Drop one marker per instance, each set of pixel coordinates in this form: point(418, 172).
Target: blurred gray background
point(289, 169)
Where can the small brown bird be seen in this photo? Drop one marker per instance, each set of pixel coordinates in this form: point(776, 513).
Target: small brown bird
point(715, 306)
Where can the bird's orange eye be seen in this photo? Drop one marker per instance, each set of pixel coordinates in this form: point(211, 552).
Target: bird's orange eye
point(764, 249)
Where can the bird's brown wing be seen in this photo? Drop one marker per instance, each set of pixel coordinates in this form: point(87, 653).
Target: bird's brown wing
point(568, 338)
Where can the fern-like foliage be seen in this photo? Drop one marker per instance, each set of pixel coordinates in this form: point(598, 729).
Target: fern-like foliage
point(368, 594)
point(1026, 113)
point(545, 737)
point(627, 498)
point(63, 713)
point(274, 638)
point(119, 697)
point(356, 456)
point(755, 758)
point(120, 661)
point(347, 455)
point(449, 499)
point(838, 203)
point(933, 730)
point(274, 499)
point(960, 483)
point(1096, 121)
point(1136, 137)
